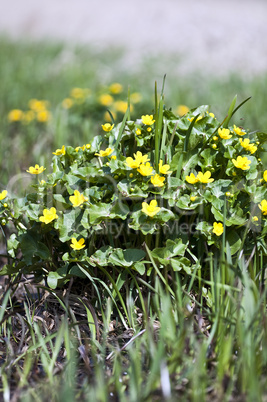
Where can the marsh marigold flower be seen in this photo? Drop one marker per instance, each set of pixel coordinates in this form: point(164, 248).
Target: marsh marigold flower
point(150, 209)
point(106, 99)
point(192, 179)
point(61, 151)
point(77, 244)
point(139, 159)
point(115, 88)
point(36, 169)
point(77, 199)
point(252, 148)
point(48, 215)
point(238, 130)
point(67, 103)
point(263, 207)
point(148, 120)
point(3, 195)
point(242, 162)
point(145, 169)
point(15, 115)
point(135, 97)
point(107, 127)
point(205, 178)
point(224, 133)
point(43, 116)
point(107, 152)
point(28, 116)
point(138, 131)
point(182, 110)
point(121, 106)
point(157, 180)
point(164, 169)
point(217, 228)
point(265, 175)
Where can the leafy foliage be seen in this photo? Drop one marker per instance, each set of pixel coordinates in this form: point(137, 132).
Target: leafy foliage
point(103, 192)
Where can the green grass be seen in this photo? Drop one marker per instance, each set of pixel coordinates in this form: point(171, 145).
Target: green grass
point(175, 345)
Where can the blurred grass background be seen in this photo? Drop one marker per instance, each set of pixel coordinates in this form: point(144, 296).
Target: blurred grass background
point(49, 71)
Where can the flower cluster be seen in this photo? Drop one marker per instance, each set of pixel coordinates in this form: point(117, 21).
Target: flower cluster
point(38, 111)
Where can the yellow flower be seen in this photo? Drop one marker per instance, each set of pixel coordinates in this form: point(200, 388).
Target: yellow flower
point(228, 194)
point(265, 175)
point(145, 169)
point(215, 138)
point(211, 115)
point(149, 129)
point(224, 133)
point(193, 198)
point(67, 103)
point(164, 169)
point(36, 169)
point(204, 178)
point(115, 88)
point(246, 144)
point(242, 162)
point(157, 180)
point(79, 94)
point(192, 118)
point(217, 228)
point(214, 146)
point(192, 179)
point(15, 115)
point(238, 130)
point(182, 110)
point(38, 105)
point(139, 159)
point(138, 131)
point(43, 116)
point(107, 127)
point(148, 120)
point(77, 245)
point(48, 215)
point(121, 106)
point(107, 152)
point(263, 207)
point(28, 116)
point(3, 195)
point(135, 97)
point(77, 199)
point(106, 99)
point(152, 209)
point(88, 146)
point(60, 151)
point(255, 218)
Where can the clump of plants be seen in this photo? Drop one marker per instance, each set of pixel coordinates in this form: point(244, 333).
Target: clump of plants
point(151, 197)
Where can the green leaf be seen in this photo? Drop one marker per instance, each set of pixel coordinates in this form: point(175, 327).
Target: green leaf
point(234, 241)
point(52, 279)
point(139, 267)
point(68, 223)
point(31, 247)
